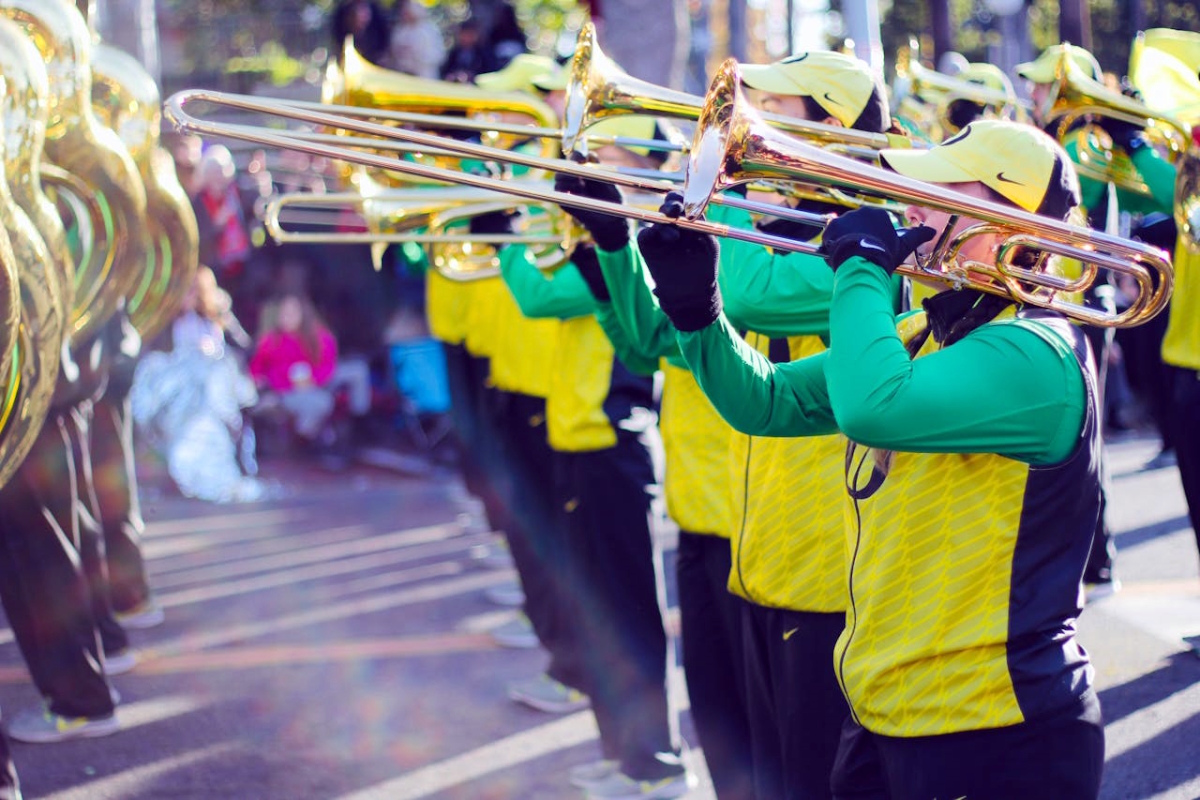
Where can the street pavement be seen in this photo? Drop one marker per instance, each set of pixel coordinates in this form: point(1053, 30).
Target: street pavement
point(333, 643)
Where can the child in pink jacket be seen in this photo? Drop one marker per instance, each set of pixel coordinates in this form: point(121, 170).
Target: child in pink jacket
point(295, 359)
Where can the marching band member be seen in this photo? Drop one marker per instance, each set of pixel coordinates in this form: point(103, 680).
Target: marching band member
point(598, 413)
point(1103, 202)
point(788, 567)
point(972, 483)
point(1181, 353)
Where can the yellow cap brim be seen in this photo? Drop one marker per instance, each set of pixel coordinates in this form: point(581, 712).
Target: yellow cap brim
point(554, 82)
point(1037, 71)
point(766, 78)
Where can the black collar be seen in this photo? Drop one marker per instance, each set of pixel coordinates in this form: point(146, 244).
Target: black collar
point(954, 314)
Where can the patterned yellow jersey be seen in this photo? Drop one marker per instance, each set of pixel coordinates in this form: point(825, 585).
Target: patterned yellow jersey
point(964, 575)
point(697, 444)
point(787, 528)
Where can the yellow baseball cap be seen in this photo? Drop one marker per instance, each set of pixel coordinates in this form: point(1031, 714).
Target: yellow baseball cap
point(841, 84)
point(525, 72)
point(1042, 69)
point(988, 75)
point(1017, 161)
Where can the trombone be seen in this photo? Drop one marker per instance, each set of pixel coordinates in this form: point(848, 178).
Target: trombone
point(733, 145)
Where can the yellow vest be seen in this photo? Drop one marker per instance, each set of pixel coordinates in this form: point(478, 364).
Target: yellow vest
point(1181, 344)
point(522, 349)
point(787, 528)
point(579, 385)
point(447, 307)
point(696, 441)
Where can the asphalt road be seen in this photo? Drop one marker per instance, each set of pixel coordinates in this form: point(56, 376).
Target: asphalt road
point(332, 643)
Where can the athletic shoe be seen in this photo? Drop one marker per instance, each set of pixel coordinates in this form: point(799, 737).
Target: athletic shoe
point(120, 663)
point(585, 775)
point(508, 595)
point(44, 727)
point(146, 614)
point(1095, 592)
point(516, 633)
point(620, 786)
point(546, 694)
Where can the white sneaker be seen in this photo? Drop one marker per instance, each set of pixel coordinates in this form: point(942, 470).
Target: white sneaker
point(148, 614)
point(620, 786)
point(120, 663)
point(516, 633)
point(44, 727)
point(1095, 592)
point(585, 775)
point(508, 595)
point(546, 694)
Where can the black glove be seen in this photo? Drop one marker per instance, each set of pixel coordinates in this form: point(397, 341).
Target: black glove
point(869, 233)
point(608, 232)
point(493, 222)
point(1124, 135)
point(588, 263)
point(684, 266)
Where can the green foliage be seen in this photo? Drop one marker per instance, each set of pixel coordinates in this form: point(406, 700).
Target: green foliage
point(272, 62)
point(283, 39)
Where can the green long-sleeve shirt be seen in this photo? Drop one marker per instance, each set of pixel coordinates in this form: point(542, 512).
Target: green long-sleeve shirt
point(775, 294)
point(1011, 387)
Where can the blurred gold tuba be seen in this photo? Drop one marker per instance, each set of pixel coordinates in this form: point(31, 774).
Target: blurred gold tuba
point(358, 82)
point(76, 142)
point(126, 99)
point(31, 292)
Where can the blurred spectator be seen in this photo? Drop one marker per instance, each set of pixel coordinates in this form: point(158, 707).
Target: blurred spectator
point(506, 39)
point(468, 57)
point(417, 47)
point(224, 238)
point(365, 21)
point(190, 400)
point(294, 361)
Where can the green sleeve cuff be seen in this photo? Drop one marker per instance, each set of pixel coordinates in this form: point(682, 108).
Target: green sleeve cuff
point(634, 303)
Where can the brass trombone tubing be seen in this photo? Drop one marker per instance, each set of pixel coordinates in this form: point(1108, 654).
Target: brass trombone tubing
point(730, 133)
point(455, 200)
point(185, 122)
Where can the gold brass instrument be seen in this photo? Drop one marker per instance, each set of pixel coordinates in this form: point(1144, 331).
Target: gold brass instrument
point(28, 85)
point(1187, 195)
point(1076, 96)
point(80, 210)
point(598, 89)
point(177, 113)
point(924, 96)
point(357, 82)
point(77, 143)
point(429, 217)
point(126, 99)
point(28, 371)
point(732, 146)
